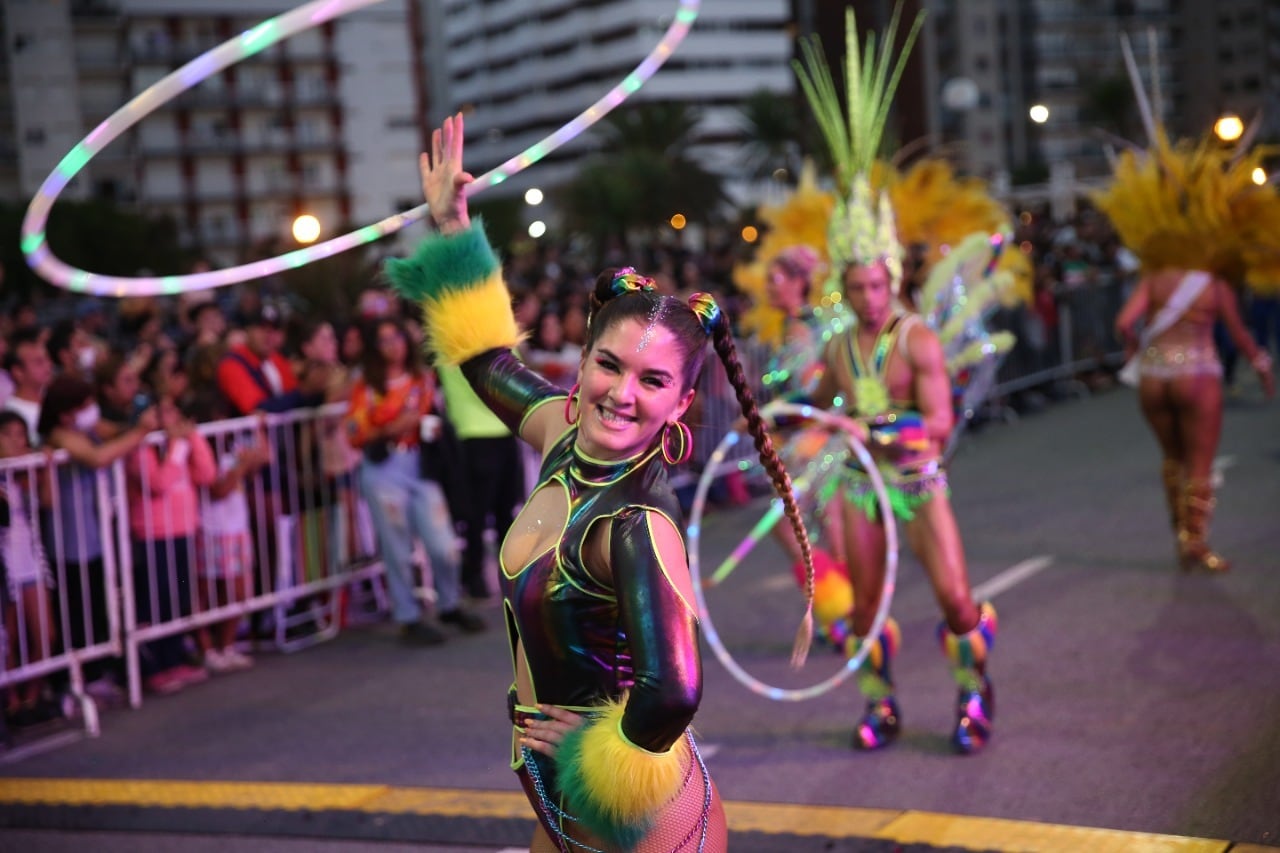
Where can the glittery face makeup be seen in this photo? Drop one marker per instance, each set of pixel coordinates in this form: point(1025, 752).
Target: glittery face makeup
point(656, 312)
point(628, 392)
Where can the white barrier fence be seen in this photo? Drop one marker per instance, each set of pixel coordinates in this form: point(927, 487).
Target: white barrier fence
point(108, 571)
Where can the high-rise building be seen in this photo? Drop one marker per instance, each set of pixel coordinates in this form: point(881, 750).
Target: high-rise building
point(521, 70)
point(1229, 62)
point(1020, 90)
point(325, 122)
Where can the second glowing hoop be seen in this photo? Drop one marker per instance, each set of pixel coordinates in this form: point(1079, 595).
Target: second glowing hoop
point(35, 244)
point(709, 631)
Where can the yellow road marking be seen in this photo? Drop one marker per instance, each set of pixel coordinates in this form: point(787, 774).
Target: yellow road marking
point(982, 833)
point(904, 827)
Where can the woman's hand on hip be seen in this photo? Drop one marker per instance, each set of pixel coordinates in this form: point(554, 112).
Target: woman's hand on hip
point(545, 735)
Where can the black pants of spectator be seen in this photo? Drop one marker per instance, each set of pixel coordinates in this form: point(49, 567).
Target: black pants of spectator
point(82, 617)
point(495, 485)
point(162, 591)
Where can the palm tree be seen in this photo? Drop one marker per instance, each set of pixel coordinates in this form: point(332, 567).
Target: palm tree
point(641, 175)
point(772, 129)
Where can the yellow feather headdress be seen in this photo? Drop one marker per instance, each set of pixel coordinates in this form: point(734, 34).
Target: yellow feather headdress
point(1195, 203)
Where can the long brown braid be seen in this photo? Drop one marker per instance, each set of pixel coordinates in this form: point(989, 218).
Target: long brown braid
point(722, 339)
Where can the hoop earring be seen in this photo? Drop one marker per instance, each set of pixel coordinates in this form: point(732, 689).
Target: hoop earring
point(569, 417)
point(684, 452)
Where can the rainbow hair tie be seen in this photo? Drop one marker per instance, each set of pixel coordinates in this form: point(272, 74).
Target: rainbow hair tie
point(707, 310)
point(627, 280)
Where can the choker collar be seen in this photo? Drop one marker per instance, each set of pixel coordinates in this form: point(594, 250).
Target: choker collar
point(600, 472)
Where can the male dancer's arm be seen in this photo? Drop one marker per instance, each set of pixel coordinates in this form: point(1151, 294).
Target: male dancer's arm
point(931, 384)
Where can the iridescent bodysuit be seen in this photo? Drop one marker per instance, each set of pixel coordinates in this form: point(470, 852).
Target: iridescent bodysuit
point(584, 640)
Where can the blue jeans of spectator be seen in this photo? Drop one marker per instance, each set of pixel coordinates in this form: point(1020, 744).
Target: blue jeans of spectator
point(403, 505)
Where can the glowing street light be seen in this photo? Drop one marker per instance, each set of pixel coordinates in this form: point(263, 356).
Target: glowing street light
point(1039, 113)
point(1229, 127)
point(533, 196)
point(678, 221)
point(1259, 176)
point(306, 228)
point(537, 228)
point(750, 234)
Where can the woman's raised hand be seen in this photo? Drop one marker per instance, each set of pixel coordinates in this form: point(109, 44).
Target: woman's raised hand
point(443, 179)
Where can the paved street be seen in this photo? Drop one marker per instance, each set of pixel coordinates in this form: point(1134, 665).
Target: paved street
point(1131, 696)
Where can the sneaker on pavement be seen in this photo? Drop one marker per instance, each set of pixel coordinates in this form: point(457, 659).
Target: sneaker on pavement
point(420, 634)
point(186, 674)
point(465, 620)
point(163, 683)
point(217, 662)
point(105, 691)
point(236, 659)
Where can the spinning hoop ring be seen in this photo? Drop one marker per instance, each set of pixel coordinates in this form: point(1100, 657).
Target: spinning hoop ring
point(40, 257)
point(712, 636)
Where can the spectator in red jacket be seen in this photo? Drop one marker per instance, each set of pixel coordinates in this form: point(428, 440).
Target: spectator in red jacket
point(255, 376)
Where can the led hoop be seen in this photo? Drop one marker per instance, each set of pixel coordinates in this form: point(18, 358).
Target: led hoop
point(34, 239)
point(755, 685)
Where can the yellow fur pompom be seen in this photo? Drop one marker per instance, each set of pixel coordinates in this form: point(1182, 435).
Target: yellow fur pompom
point(464, 323)
point(613, 787)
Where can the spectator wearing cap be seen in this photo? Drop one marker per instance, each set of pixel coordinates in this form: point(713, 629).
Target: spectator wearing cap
point(255, 375)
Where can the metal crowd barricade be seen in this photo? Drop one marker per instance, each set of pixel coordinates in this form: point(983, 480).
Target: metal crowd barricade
point(1083, 341)
point(61, 576)
point(303, 520)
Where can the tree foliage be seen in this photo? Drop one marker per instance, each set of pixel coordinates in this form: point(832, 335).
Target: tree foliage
point(93, 235)
point(641, 176)
point(772, 130)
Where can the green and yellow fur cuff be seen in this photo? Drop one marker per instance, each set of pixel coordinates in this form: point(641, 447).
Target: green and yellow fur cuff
point(457, 279)
point(613, 787)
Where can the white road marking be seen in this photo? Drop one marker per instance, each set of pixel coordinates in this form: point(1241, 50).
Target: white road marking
point(1011, 577)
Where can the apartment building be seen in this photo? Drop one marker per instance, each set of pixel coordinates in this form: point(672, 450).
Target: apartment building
point(325, 122)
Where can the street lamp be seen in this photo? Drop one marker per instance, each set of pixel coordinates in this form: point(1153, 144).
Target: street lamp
point(306, 228)
point(678, 221)
point(537, 228)
point(1229, 127)
point(1259, 176)
point(533, 196)
point(1039, 113)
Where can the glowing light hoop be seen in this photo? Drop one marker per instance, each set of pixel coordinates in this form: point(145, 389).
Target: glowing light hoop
point(709, 632)
point(40, 257)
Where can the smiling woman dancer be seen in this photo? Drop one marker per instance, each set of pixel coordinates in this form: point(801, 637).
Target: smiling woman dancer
point(596, 589)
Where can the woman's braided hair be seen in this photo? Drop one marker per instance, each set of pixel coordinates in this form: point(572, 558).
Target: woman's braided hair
point(691, 325)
